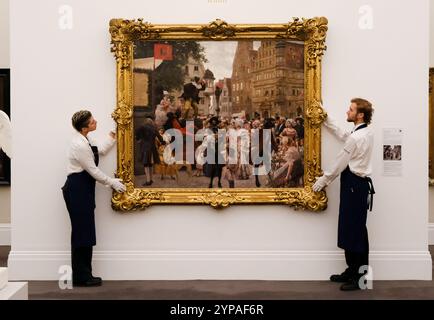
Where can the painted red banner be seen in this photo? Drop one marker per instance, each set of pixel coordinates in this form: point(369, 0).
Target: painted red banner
point(163, 51)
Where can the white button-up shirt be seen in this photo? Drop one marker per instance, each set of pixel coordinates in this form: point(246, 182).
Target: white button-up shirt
point(356, 153)
point(80, 157)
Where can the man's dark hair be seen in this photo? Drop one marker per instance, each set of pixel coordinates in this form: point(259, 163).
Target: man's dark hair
point(81, 119)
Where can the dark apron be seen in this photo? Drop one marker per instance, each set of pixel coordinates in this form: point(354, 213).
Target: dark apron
point(79, 195)
point(353, 210)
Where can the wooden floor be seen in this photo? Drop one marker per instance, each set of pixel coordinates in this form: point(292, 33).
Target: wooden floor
point(228, 290)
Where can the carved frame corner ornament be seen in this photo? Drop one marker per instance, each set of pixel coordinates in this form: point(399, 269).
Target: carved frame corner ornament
point(310, 31)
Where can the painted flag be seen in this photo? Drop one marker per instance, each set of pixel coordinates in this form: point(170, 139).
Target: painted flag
point(163, 51)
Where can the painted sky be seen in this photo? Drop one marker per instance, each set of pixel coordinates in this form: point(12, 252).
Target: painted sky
point(220, 55)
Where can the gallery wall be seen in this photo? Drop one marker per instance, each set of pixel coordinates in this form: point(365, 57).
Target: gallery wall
point(57, 72)
point(4, 33)
point(5, 192)
point(431, 20)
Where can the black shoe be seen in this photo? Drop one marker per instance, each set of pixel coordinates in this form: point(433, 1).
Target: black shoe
point(343, 277)
point(351, 285)
point(92, 282)
point(219, 185)
point(97, 278)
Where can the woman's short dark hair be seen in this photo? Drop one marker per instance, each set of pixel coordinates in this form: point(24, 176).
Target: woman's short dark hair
point(81, 119)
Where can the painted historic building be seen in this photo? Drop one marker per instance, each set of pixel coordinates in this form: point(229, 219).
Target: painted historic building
point(269, 80)
point(278, 79)
point(226, 98)
point(242, 92)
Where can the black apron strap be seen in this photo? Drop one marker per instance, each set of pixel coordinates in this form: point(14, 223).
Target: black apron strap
point(95, 154)
point(371, 192)
point(363, 126)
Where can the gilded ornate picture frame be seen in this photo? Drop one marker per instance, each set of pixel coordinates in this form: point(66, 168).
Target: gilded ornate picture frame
point(139, 89)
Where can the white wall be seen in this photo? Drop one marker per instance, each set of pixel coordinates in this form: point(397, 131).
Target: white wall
point(4, 33)
point(431, 11)
point(5, 192)
point(71, 69)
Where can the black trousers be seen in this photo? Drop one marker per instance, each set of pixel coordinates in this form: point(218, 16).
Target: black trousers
point(81, 259)
point(354, 261)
